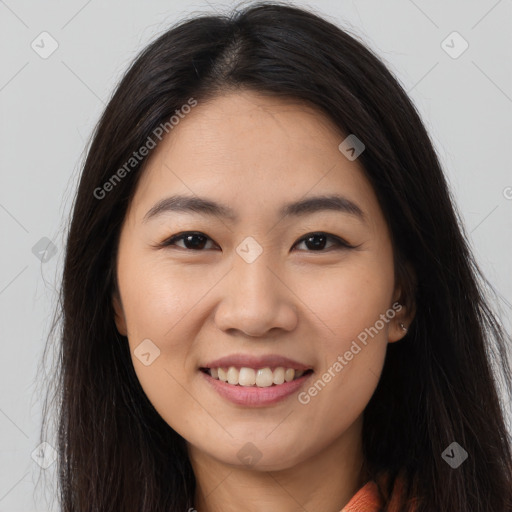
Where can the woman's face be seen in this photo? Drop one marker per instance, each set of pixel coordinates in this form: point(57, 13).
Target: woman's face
point(258, 286)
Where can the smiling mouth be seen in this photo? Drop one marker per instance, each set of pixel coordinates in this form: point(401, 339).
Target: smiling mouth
point(255, 377)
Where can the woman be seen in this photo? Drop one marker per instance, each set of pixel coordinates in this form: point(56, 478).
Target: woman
point(268, 300)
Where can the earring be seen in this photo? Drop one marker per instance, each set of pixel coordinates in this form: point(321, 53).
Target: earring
point(401, 324)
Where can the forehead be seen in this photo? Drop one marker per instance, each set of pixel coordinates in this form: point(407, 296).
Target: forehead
point(254, 153)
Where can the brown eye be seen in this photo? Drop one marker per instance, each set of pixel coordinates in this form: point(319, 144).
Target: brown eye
point(317, 241)
point(191, 241)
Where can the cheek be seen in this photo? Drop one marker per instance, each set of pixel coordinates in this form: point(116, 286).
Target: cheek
point(158, 301)
point(352, 304)
point(165, 303)
point(350, 298)
point(157, 296)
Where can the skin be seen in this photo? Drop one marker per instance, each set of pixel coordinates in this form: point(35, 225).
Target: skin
point(255, 153)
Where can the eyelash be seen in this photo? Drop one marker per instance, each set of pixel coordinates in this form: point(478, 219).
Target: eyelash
point(339, 242)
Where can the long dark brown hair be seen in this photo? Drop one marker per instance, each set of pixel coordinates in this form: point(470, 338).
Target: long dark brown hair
point(437, 386)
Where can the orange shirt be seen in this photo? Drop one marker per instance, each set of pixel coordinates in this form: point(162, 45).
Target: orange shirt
point(367, 499)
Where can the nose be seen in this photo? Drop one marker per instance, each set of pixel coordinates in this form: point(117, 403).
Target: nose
point(255, 300)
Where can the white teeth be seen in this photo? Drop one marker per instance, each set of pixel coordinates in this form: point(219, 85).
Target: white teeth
point(233, 375)
point(289, 374)
point(246, 377)
point(262, 378)
point(223, 375)
point(279, 375)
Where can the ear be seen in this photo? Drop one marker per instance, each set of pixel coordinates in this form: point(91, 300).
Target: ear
point(119, 315)
point(404, 315)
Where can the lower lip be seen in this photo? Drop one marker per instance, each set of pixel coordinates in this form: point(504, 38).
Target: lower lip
point(254, 396)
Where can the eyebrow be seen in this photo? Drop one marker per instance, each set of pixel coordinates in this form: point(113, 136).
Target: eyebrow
point(208, 207)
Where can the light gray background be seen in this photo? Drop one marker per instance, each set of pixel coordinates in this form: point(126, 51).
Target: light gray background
point(50, 106)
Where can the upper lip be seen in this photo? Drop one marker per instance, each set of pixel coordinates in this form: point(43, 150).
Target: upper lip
point(271, 361)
